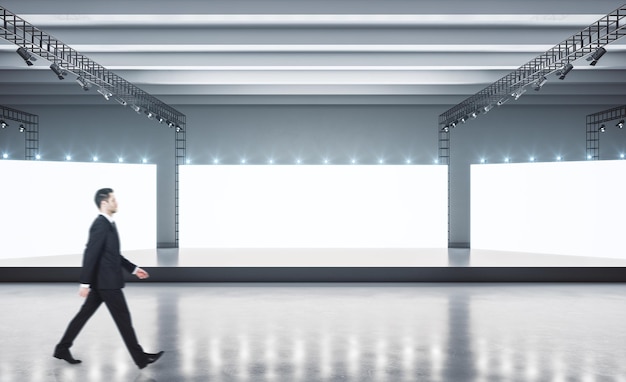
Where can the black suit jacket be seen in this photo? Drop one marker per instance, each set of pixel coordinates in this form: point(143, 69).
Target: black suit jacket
point(102, 261)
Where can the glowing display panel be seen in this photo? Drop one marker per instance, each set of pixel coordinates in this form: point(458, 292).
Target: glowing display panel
point(48, 207)
point(303, 206)
point(563, 208)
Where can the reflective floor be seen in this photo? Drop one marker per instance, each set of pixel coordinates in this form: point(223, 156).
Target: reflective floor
point(326, 332)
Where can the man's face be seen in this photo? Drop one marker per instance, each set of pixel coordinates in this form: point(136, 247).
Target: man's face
point(110, 204)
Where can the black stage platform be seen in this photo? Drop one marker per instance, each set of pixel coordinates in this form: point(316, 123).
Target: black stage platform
point(333, 265)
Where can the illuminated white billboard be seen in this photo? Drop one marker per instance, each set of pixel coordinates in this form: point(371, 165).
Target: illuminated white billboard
point(564, 208)
point(48, 207)
point(313, 206)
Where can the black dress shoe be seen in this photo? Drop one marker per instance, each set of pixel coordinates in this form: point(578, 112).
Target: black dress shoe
point(151, 358)
point(66, 355)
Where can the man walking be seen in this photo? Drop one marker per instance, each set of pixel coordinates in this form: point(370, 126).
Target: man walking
point(102, 280)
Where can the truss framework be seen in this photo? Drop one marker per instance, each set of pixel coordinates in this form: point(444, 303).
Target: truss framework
point(31, 124)
point(593, 128)
point(602, 32)
point(18, 31)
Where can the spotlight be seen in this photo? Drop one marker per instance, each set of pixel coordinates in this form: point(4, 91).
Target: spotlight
point(445, 129)
point(602, 128)
point(463, 119)
point(105, 93)
point(537, 85)
point(83, 83)
point(58, 71)
point(453, 124)
point(3, 124)
point(37, 156)
point(170, 124)
point(503, 101)
point(121, 101)
point(474, 115)
point(22, 128)
point(160, 119)
point(136, 108)
point(178, 129)
point(563, 71)
point(518, 93)
point(596, 56)
point(26, 56)
point(150, 114)
point(487, 108)
point(620, 124)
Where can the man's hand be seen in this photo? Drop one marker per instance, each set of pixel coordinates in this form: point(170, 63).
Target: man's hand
point(83, 291)
point(142, 274)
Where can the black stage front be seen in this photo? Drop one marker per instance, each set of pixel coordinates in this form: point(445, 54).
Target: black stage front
point(333, 265)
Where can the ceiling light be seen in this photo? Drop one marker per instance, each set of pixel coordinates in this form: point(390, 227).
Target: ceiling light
point(620, 124)
point(596, 56)
point(58, 71)
point(22, 128)
point(105, 93)
point(537, 85)
point(602, 128)
point(83, 83)
point(563, 71)
point(26, 56)
point(3, 124)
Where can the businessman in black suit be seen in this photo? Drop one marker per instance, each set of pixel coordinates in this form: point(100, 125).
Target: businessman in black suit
point(102, 280)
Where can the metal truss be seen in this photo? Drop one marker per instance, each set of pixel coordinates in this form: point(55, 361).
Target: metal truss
point(602, 32)
point(29, 124)
point(180, 158)
point(18, 31)
point(594, 122)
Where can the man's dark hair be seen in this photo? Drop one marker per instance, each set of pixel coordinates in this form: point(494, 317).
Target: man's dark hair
point(102, 194)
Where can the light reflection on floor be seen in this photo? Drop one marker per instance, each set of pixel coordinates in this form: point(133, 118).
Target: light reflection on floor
point(327, 332)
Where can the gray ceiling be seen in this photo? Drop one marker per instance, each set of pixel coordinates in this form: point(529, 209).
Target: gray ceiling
point(434, 52)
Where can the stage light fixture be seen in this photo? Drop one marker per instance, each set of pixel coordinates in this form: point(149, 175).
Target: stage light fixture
point(562, 73)
point(487, 108)
point(22, 128)
point(3, 124)
point(83, 83)
point(149, 114)
point(445, 129)
point(596, 56)
point(160, 119)
point(105, 93)
point(121, 101)
point(178, 129)
point(5, 156)
point(502, 101)
point(136, 108)
point(537, 85)
point(61, 73)
point(620, 124)
point(26, 56)
point(474, 115)
point(37, 156)
point(518, 93)
point(170, 124)
point(453, 124)
point(602, 128)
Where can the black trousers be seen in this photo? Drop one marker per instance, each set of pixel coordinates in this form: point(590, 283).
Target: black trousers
point(116, 303)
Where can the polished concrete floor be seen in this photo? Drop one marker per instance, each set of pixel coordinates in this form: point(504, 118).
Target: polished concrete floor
point(325, 332)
